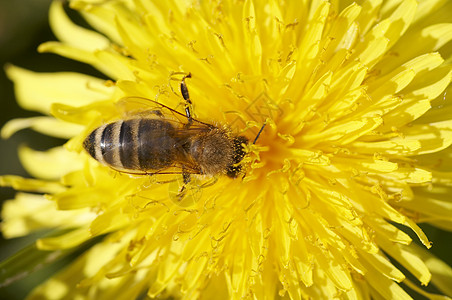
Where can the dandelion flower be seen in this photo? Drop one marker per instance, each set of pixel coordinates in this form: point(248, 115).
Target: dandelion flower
point(355, 152)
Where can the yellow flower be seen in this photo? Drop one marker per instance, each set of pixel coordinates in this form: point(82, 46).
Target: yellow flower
point(354, 155)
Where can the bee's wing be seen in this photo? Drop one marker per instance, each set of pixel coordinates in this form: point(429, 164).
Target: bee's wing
point(144, 107)
point(176, 168)
point(138, 107)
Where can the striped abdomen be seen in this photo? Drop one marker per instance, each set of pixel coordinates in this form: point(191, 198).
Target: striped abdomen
point(135, 145)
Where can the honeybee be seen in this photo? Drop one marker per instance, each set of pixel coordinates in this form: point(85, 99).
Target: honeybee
point(156, 144)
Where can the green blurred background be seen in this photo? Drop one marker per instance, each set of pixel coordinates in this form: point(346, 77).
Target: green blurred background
point(23, 26)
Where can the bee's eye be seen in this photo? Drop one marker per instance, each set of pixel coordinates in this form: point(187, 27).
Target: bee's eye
point(239, 152)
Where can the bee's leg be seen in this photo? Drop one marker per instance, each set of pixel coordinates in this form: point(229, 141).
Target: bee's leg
point(186, 95)
point(187, 179)
point(186, 176)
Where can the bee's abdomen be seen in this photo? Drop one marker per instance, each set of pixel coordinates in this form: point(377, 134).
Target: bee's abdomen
point(136, 144)
point(112, 144)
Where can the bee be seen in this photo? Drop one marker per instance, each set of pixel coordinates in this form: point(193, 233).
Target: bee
point(153, 143)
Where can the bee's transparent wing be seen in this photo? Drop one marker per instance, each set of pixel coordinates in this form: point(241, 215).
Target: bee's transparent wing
point(143, 107)
point(138, 107)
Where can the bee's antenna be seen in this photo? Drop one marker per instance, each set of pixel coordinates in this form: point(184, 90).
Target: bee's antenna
point(259, 133)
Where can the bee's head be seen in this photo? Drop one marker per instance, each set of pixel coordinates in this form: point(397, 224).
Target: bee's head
point(238, 154)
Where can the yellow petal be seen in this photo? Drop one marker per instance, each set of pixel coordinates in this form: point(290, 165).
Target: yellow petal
point(69, 240)
point(441, 272)
point(383, 286)
point(393, 147)
point(30, 212)
point(50, 164)
point(412, 175)
point(427, 8)
point(74, 35)
point(106, 222)
point(369, 14)
point(408, 259)
point(22, 215)
point(382, 265)
point(45, 125)
point(31, 185)
point(37, 91)
point(69, 283)
point(439, 35)
point(343, 132)
point(78, 198)
point(433, 137)
point(400, 19)
point(429, 209)
point(101, 17)
point(369, 52)
point(83, 115)
point(389, 231)
point(428, 38)
point(398, 79)
point(420, 234)
point(112, 64)
point(309, 45)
